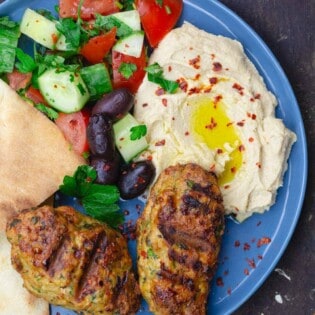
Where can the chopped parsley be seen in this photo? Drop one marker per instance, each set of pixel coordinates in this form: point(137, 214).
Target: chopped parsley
point(126, 69)
point(26, 63)
point(137, 132)
point(48, 111)
point(99, 201)
point(155, 75)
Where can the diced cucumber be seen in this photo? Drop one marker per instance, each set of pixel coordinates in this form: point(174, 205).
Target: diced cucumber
point(61, 43)
point(128, 148)
point(97, 80)
point(39, 28)
point(63, 90)
point(130, 45)
point(130, 18)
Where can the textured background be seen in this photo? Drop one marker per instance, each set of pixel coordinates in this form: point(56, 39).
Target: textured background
point(287, 27)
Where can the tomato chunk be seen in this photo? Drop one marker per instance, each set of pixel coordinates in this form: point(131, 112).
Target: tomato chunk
point(35, 95)
point(133, 82)
point(74, 126)
point(158, 17)
point(69, 8)
point(98, 47)
point(18, 80)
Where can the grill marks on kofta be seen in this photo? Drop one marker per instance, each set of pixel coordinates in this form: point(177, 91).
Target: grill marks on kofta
point(179, 236)
point(73, 260)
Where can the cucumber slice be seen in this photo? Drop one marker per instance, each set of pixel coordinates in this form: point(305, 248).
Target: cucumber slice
point(63, 90)
point(128, 148)
point(97, 80)
point(130, 18)
point(130, 45)
point(39, 28)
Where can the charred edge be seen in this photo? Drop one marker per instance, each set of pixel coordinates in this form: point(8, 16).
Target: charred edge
point(99, 247)
point(51, 264)
point(119, 288)
point(189, 261)
point(176, 278)
point(209, 190)
point(183, 239)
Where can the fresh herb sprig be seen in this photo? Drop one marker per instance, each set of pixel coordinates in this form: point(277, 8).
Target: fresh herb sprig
point(137, 132)
point(99, 201)
point(155, 75)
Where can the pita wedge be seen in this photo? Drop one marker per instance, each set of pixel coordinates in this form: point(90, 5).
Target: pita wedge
point(34, 156)
point(14, 298)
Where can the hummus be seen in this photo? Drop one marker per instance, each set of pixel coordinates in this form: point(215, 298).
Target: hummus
point(222, 117)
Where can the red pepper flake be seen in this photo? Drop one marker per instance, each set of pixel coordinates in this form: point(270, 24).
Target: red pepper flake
point(143, 254)
point(207, 89)
point(54, 38)
point(173, 118)
point(212, 56)
point(191, 48)
point(213, 80)
point(257, 96)
point(260, 257)
point(246, 271)
point(258, 164)
point(237, 243)
point(160, 143)
point(252, 99)
point(229, 124)
point(246, 246)
point(219, 282)
point(241, 123)
point(217, 66)
point(212, 124)
point(164, 102)
point(253, 117)
point(187, 133)
point(195, 62)
point(126, 212)
point(239, 88)
point(159, 91)
point(217, 99)
point(145, 104)
point(194, 90)
point(219, 151)
point(241, 148)
point(169, 68)
point(263, 241)
point(251, 263)
point(233, 169)
point(150, 158)
point(226, 186)
point(229, 291)
point(251, 139)
point(183, 85)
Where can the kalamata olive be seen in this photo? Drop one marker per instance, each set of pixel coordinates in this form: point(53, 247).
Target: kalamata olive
point(107, 170)
point(115, 104)
point(135, 178)
point(100, 136)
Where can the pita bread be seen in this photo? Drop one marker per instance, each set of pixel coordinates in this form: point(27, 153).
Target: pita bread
point(14, 298)
point(34, 156)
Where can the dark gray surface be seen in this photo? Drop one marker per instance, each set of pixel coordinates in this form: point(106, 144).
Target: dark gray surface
point(287, 27)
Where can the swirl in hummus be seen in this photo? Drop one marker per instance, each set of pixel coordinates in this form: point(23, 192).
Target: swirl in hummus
point(222, 117)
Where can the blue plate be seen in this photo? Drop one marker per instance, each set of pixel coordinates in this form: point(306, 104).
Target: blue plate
point(250, 250)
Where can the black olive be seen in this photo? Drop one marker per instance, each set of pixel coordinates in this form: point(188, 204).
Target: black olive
point(115, 104)
point(135, 178)
point(107, 170)
point(100, 136)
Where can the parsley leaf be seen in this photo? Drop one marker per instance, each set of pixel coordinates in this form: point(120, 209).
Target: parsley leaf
point(126, 69)
point(99, 201)
point(127, 5)
point(137, 132)
point(48, 111)
point(155, 75)
point(6, 22)
point(159, 3)
point(72, 32)
point(108, 22)
point(26, 63)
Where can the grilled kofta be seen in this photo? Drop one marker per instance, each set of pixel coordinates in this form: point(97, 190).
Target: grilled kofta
point(74, 261)
point(179, 236)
